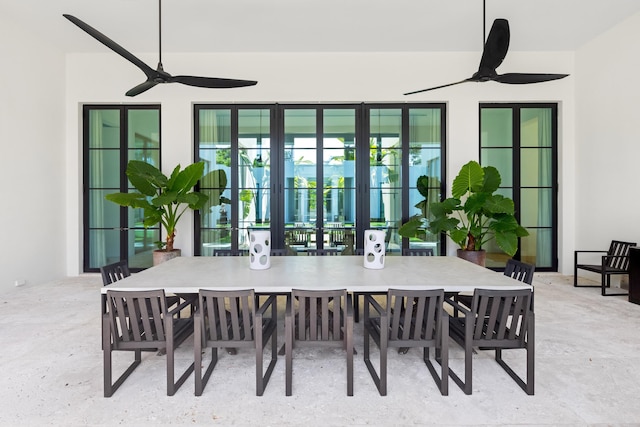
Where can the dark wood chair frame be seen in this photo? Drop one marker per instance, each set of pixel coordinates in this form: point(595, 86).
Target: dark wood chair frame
point(357, 295)
point(417, 252)
point(113, 272)
point(616, 261)
point(497, 320)
point(321, 319)
point(426, 326)
point(232, 319)
point(137, 321)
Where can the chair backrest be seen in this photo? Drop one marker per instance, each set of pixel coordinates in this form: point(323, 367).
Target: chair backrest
point(114, 272)
point(278, 252)
point(500, 317)
point(319, 315)
point(618, 254)
point(415, 315)
point(136, 319)
point(520, 271)
point(322, 252)
point(417, 252)
point(227, 316)
point(229, 252)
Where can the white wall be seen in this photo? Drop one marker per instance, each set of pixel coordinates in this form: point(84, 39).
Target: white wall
point(32, 152)
point(314, 77)
point(608, 138)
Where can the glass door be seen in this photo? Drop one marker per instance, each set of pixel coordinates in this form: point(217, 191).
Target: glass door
point(520, 141)
point(112, 136)
point(319, 179)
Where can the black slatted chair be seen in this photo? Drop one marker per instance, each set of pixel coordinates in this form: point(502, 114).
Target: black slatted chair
point(515, 269)
point(323, 252)
point(417, 252)
point(426, 327)
point(113, 272)
point(615, 261)
point(116, 271)
point(231, 319)
point(497, 320)
point(137, 321)
point(405, 252)
point(278, 252)
point(321, 319)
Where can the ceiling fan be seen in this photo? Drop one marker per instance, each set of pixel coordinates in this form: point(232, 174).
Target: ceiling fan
point(158, 75)
point(495, 50)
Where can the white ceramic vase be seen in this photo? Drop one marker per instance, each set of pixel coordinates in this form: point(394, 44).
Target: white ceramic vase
point(374, 249)
point(260, 249)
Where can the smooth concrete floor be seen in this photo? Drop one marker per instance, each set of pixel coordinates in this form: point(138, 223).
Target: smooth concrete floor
point(587, 372)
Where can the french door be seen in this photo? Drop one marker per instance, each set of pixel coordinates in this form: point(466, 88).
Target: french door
point(113, 135)
point(520, 140)
point(317, 175)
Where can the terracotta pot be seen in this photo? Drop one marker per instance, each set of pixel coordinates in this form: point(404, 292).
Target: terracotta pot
point(161, 256)
point(476, 257)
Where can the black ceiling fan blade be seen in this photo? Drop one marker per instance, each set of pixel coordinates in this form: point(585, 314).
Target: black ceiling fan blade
point(111, 44)
point(142, 87)
point(211, 82)
point(495, 47)
point(526, 78)
point(439, 87)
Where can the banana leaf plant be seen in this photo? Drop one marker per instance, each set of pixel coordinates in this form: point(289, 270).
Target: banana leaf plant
point(165, 199)
point(474, 215)
point(417, 224)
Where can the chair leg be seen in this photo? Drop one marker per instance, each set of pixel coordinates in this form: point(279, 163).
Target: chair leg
point(109, 387)
point(349, 340)
point(288, 345)
point(263, 379)
point(442, 357)
point(467, 385)
point(528, 386)
point(379, 380)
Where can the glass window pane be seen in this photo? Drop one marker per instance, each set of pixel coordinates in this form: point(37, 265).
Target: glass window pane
point(104, 128)
point(143, 127)
point(104, 169)
point(501, 159)
point(536, 127)
point(537, 207)
point(103, 213)
point(300, 170)
point(254, 167)
point(425, 128)
point(339, 203)
point(535, 248)
point(496, 127)
point(536, 167)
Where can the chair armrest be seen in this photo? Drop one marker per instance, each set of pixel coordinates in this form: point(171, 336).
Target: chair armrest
point(349, 305)
point(457, 306)
point(180, 307)
point(288, 310)
point(268, 303)
point(369, 300)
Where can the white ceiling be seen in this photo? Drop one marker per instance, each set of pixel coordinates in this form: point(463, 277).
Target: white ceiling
point(318, 26)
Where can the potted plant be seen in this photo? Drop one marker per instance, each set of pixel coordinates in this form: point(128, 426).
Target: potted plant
point(474, 215)
point(165, 199)
point(417, 225)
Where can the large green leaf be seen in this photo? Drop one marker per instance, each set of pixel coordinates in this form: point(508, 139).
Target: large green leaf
point(410, 228)
point(423, 186)
point(492, 179)
point(134, 200)
point(508, 242)
point(146, 178)
point(497, 204)
point(189, 177)
point(470, 178)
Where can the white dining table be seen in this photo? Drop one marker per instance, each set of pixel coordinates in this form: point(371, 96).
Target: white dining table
point(184, 275)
